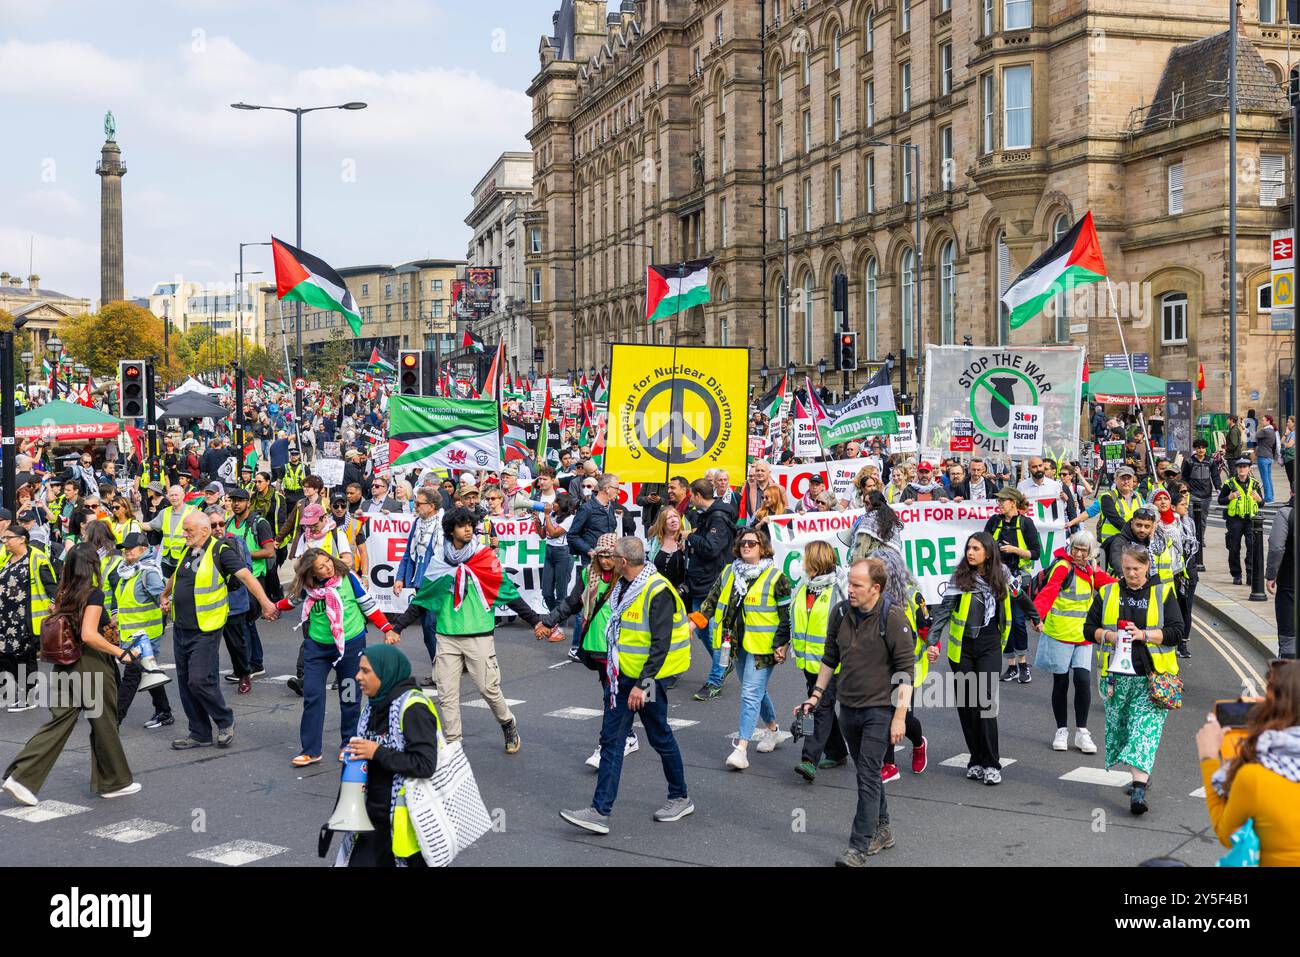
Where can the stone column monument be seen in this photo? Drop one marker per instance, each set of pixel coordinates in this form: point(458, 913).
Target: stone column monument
point(111, 171)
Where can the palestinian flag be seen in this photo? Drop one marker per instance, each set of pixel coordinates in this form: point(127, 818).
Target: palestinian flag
point(514, 439)
point(1073, 260)
point(773, 402)
point(301, 277)
point(430, 432)
point(473, 343)
point(544, 435)
point(480, 579)
point(676, 288)
point(379, 362)
point(492, 381)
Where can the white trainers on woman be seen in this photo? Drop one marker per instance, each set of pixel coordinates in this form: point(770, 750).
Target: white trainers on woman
point(1061, 741)
point(738, 760)
point(1083, 741)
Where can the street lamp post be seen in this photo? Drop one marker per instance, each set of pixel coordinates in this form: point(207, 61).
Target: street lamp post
point(821, 370)
point(916, 275)
point(54, 346)
point(298, 112)
point(27, 358)
point(785, 272)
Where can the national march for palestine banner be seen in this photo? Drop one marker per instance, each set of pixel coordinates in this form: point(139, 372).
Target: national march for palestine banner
point(934, 538)
point(426, 431)
point(982, 384)
point(677, 411)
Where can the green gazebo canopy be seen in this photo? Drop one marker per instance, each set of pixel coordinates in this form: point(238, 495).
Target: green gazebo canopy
point(1114, 387)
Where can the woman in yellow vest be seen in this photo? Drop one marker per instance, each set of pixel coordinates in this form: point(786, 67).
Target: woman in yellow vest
point(1147, 610)
point(976, 616)
point(902, 588)
point(123, 523)
point(1063, 649)
point(397, 735)
point(750, 608)
point(100, 535)
point(823, 587)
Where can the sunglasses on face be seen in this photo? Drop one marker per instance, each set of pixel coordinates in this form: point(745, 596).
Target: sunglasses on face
point(749, 543)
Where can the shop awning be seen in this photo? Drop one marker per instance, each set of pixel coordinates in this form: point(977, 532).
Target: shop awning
point(61, 421)
point(1114, 387)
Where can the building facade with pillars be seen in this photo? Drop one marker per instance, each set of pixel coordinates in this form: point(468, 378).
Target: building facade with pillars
point(44, 308)
point(649, 144)
point(405, 306)
point(501, 240)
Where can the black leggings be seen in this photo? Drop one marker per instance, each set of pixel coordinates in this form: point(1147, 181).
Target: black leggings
point(912, 729)
point(1082, 697)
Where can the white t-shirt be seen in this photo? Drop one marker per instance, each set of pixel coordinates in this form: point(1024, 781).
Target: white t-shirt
point(341, 546)
point(1050, 489)
point(561, 541)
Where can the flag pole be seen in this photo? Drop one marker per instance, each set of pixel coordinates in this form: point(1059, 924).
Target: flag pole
point(1142, 420)
point(284, 340)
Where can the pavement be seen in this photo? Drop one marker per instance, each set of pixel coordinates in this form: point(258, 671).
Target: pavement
point(248, 806)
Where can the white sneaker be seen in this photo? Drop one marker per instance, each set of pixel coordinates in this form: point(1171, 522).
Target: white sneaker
point(766, 741)
point(1061, 741)
point(631, 745)
point(594, 760)
point(1083, 741)
point(132, 788)
point(20, 793)
point(737, 760)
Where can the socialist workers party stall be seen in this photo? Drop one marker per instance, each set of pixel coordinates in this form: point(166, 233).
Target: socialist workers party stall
point(1114, 387)
point(66, 422)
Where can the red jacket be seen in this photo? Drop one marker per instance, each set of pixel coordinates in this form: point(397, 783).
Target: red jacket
point(1093, 575)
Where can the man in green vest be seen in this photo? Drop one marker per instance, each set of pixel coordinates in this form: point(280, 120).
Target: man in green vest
point(260, 542)
point(1118, 504)
point(1242, 495)
point(197, 597)
point(648, 638)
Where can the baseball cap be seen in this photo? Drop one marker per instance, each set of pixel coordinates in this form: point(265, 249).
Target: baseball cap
point(134, 540)
point(1124, 470)
point(924, 467)
point(239, 493)
point(31, 515)
point(215, 488)
point(312, 514)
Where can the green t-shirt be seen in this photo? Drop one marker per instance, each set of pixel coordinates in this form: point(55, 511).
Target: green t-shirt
point(354, 623)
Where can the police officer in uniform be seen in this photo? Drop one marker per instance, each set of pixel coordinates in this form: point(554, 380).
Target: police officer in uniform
point(1242, 495)
point(294, 473)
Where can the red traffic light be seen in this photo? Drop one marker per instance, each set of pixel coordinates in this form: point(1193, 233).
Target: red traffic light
point(131, 372)
point(846, 340)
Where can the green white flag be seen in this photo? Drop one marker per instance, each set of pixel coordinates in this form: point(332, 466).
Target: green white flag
point(429, 432)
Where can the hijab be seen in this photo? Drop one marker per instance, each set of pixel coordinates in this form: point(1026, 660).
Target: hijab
point(389, 665)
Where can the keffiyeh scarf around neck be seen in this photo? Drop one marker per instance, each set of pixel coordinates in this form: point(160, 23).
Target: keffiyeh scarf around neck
point(617, 606)
point(329, 594)
point(744, 574)
point(983, 591)
point(1277, 750)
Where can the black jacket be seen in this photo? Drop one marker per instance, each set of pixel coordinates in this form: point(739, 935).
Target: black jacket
point(1115, 544)
point(962, 488)
point(708, 548)
point(419, 760)
point(1201, 476)
point(594, 520)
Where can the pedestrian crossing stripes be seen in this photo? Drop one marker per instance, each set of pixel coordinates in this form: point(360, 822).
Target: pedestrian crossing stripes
point(480, 703)
point(1198, 793)
point(1110, 779)
point(44, 811)
point(237, 853)
point(963, 761)
point(575, 714)
point(278, 679)
point(133, 831)
point(678, 723)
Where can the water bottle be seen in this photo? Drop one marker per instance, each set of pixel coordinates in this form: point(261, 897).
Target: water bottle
point(725, 659)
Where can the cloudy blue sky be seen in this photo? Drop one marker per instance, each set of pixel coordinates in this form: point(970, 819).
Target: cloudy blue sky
point(445, 80)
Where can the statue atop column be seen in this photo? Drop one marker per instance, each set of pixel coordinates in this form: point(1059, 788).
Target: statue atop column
point(110, 126)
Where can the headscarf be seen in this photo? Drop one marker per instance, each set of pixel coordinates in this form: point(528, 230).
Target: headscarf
point(390, 666)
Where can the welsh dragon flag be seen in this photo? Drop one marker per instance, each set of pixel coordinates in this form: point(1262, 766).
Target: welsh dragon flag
point(480, 579)
point(425, 431)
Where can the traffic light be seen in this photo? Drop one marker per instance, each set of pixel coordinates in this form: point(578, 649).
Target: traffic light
point(846, 355)
point(131, 382)
point(410, 372)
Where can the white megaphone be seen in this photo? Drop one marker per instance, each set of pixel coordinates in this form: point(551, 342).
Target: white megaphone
point(350, 812)
point(154, 677)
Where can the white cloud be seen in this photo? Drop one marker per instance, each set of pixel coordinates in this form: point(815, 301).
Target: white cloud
point(67, 70)
point(50, 201)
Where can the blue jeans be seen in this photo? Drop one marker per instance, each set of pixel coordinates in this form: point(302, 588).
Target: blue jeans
point(615, 728)
point(755, 702)
point(429, 627)
point(254, 640)
point(706, 635)
point(1266, 477)
point(557, 571)
point(1018, 642)
point(318, 662)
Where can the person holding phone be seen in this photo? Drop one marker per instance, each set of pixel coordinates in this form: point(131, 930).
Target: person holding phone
point(1262, 782)
point(1146, 610)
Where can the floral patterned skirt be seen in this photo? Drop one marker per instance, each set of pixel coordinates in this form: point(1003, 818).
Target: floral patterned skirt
point(1133, 722)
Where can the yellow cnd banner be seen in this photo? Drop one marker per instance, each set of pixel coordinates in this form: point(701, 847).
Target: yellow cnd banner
point(677, 412)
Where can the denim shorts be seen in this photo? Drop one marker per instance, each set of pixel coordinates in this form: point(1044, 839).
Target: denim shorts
point(1058, 657)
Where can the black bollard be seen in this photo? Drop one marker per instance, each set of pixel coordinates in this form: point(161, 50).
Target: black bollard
point(1257, 559)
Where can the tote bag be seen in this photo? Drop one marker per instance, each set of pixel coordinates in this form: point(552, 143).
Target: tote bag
point(446, 809)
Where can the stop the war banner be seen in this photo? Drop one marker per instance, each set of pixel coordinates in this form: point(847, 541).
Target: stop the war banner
point(934, 538)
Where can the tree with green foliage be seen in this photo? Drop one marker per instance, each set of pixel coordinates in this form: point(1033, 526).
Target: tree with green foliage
point(120, 330)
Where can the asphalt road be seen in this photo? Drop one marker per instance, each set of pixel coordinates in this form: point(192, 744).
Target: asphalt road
point(248, 805)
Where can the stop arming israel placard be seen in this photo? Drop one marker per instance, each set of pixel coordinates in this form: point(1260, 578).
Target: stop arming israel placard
point(1026, 435)
point(934, 538)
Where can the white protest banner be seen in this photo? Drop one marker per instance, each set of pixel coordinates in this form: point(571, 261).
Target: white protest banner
point(386, 535)
point(1026, 436)
point(330, 471)
point(837, 475)
point(331, 450)
point(984, 383)
point(934, 538)
point(806, 442)
point(379, 456)
point(905, 441)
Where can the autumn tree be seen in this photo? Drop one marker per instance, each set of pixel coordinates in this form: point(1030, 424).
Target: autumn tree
point(120, 330)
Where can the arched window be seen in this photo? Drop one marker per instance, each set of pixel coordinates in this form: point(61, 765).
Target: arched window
point(948, 293)
point(1004, 280)
point(778, 81)
point(1173, 318)
point(870, 30)
point(807, 65)
point(724, 327)
point(808, 320)
point(782, 324)
point(835, 49)
point(907, 290)
point(869, 307)
point(1062, 302)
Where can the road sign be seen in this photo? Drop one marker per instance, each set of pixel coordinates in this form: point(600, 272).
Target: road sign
point(300, 384)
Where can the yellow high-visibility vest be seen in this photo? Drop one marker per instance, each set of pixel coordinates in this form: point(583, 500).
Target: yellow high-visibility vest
point(1065, 618)
point(634, 633)
point(211, 599)
point(1162, 656)
point(40, 600)
point(173, 522)
point(1244, 505)
point(405, 841)
point(1104, 528)
point(759, 608)
point(957, 625)
point(133, 615)
point(808, 628)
